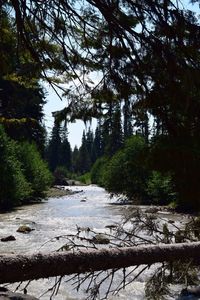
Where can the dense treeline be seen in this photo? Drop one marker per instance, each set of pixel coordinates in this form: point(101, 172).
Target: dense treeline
point(128, 170)
point(109, 157)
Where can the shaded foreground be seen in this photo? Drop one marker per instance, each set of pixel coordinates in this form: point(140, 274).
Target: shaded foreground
point(15, 268)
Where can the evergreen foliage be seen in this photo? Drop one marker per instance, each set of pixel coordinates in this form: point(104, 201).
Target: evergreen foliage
point(160, 189)
point(75, 157)
point(58, 150)
point(34, 168)
point(98, 170)
point(14, 187)
point(127, 171)
point(25, 174)
point(60, 174)
point(53, 149)
point(84, 158)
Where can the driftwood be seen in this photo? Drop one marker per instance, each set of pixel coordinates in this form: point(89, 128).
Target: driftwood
point(14, 268)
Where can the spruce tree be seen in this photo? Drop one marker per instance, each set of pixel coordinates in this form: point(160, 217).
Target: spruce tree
point(65, 156)
point(84, 159)
point(75, 160)
point(54, 146)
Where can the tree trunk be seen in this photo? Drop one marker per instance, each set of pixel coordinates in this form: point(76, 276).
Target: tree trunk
point(15, 268)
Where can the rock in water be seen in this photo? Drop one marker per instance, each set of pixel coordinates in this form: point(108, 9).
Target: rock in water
point(100, 239)
point(24, 229)
point(8, 238)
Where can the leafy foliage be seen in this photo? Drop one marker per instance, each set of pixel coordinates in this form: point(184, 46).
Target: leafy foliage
point(98, 170)
point(160, 189)
point(85, 178)
point(14, 187)
point(34, 168)
point(127, 171)
point(25, 174)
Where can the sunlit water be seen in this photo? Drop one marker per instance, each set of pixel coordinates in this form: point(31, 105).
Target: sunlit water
point(61, 216)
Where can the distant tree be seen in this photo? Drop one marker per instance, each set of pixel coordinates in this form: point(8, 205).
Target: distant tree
point(65, 151)
point(84, 159)
point(53, 147)
point(98, 142)
point(116, 134)
point(128, 118)
point(75, 159)
point(89, 144)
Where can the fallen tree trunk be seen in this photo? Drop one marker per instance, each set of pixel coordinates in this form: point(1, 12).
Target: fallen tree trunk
point(14, 268)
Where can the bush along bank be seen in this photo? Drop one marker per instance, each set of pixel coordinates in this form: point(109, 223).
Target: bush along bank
point(24, 174)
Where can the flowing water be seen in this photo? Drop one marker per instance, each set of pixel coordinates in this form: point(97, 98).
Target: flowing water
point(89, 207)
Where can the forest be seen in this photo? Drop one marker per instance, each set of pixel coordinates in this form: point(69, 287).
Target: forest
point(146, 145)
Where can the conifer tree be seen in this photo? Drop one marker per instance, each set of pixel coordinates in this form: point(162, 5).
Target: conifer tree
point(98, 142)
point(116, 135)
point(65, 151)
point(75, 160)
point(54, 146)
point(84, 160)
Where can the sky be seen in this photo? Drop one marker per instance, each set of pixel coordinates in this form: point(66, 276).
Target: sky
point(54, 103)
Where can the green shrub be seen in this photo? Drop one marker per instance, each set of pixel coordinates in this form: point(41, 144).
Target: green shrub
point(85, 178)
point(98, 170)
point(34, 168)
point(14, 187)
point(60, 175)
point(63, 171)
point(127, 172)
point(160, 188)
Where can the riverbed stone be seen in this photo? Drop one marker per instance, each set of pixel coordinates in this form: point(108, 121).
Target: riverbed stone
point(83, 200)
point(24, 229)
point(8, 238)
point(112, 226)
point(151, 210)
point(100, 239)
point(5, 294)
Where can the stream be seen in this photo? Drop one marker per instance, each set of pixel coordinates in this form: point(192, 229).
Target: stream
point(89, 207)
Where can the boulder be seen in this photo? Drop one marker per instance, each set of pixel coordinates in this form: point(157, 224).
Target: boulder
point(112, 226)
point(8, 238)
point(100, 239)
point(171, 221)
point(24, 229)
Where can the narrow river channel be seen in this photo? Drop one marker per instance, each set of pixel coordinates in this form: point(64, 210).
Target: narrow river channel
point(89, 207)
